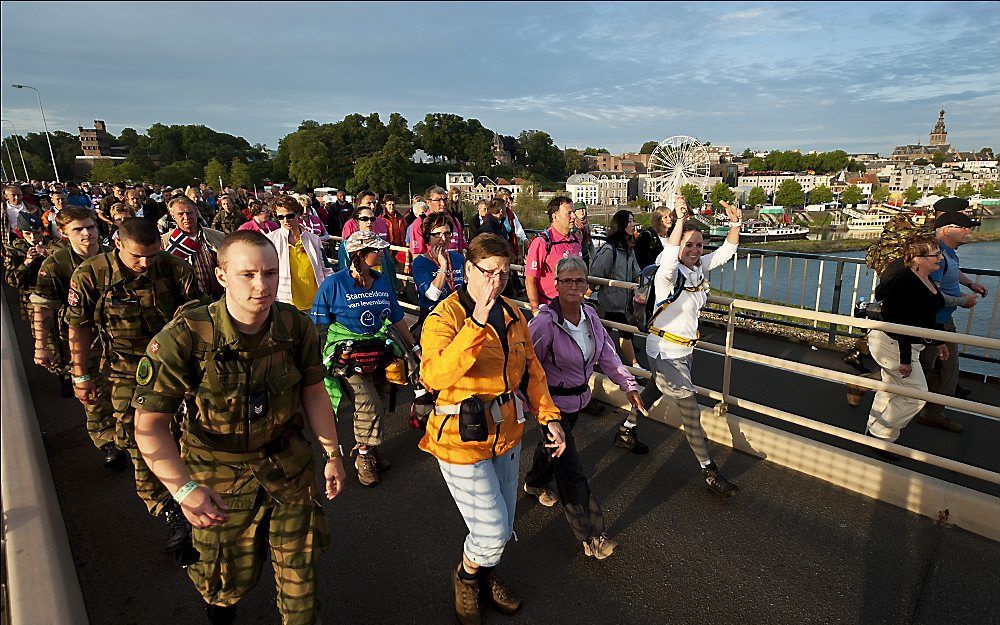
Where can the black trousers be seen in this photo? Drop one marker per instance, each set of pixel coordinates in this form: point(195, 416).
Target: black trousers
point(582, 511)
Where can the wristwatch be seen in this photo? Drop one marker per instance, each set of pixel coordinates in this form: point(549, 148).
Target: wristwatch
point(336, 453)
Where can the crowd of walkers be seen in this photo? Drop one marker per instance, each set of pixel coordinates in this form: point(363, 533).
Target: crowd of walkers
point(202, 331)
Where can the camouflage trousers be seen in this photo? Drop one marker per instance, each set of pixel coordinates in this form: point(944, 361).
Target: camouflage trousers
point(269, 510)
point(101, 423)
point(150, 490)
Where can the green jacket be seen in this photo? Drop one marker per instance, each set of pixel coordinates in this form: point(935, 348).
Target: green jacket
point(337, 334)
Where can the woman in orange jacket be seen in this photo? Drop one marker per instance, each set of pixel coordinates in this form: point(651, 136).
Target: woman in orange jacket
point(477, 352)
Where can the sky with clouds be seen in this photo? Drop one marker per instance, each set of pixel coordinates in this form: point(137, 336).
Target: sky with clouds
point(857, 76)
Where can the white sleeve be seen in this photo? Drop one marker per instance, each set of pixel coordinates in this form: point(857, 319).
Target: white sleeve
point(519, 229)
point(433, 293)
point(663, 281)
point(719, 257)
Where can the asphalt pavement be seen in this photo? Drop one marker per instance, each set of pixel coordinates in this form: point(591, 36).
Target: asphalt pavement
point(787, 549)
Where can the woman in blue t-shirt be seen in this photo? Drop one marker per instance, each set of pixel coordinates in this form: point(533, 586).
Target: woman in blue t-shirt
point(354, 305)
point(437, 272)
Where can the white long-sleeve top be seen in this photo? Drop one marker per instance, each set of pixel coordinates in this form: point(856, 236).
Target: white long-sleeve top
point(681, 317)
point(313, 249)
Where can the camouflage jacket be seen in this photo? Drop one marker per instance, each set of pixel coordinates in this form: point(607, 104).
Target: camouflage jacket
point(52, 287)
point(228, 221)
point(246, 388)
point(127, 308)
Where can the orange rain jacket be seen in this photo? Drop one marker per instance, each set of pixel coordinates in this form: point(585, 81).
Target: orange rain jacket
point(462, 358)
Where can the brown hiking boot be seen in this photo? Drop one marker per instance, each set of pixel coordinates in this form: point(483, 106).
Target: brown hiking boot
point(942, 423)
point(367, 470)
point(466, 599)
point(500, 595)
point(855, 393)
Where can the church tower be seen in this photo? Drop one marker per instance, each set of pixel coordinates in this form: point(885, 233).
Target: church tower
point(939, 136)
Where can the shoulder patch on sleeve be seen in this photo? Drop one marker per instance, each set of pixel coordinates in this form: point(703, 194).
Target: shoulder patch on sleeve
point(73, 297)
point(144, 372)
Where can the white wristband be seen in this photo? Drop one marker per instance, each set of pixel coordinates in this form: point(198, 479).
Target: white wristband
point(184, 491)
point(735, 224)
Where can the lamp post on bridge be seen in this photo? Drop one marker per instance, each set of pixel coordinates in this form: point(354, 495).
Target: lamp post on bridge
point(45, 124)
point(17, 142)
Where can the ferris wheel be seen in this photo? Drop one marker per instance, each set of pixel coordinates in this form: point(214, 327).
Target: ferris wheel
point(675, 162)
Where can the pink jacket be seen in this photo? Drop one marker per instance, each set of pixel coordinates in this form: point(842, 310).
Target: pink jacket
point(563, 362)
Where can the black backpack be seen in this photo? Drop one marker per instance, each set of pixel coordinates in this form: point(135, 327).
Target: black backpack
point(644, 307)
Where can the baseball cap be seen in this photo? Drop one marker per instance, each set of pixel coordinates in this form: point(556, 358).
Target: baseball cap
point(365, 239)
point(952, 218)
point(579, 206)
point(951, 204)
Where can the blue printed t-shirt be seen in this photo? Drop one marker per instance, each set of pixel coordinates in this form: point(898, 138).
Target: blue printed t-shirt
point(341, 300)
point(424, 272)
point(947, 277)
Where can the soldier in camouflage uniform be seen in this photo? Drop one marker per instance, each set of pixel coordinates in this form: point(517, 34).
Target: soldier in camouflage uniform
point(24, 258)
point(128, 295)
point(230, 217)
point(49, 299)
point(245, 471)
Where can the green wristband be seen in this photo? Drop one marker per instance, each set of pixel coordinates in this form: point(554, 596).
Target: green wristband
point(184, 491)
point(80, 379)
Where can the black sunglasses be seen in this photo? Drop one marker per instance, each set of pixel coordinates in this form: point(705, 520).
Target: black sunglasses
point(366, 219)
point(286, 216)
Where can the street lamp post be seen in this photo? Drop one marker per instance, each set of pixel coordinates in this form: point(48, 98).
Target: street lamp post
point(45, 124)
point(19, 152)
point(6, 145)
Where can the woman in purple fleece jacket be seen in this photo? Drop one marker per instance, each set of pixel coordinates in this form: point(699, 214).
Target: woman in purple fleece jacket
point(569, 340)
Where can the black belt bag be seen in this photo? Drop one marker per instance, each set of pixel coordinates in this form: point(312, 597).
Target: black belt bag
point(472, 420)
point(571, 391)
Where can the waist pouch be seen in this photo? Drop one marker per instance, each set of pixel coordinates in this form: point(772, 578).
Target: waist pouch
point(571, 391)
point(472, 420)
point(361, 357)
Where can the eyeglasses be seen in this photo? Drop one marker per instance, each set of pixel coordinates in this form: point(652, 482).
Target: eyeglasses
point(492, 273)
point(437, 200)
point(286, 216)
point(576, 283)
point(441, 233)
point(366, 219)
point(938, 254)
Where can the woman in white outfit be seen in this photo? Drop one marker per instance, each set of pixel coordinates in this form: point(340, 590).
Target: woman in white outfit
point(680, 292)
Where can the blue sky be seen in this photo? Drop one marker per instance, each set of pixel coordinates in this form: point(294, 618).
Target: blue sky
point(857, 76)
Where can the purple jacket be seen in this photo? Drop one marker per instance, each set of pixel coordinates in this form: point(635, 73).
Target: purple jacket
point(562, 360)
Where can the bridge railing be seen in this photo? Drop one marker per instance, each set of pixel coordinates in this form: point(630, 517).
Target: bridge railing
point(726, 398)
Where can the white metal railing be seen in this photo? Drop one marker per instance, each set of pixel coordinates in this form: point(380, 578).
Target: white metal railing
point(729, 352)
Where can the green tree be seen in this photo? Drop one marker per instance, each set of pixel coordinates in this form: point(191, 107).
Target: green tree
point(965, 190)
point(821, 195)
point(103, 170)
point(757, 164)
point(790, 193)
point(757, 197)
point(721, 193)
point(747, 153)
point(648, 147)
point(574, 162)
point(986, 154)
point(880, 195)
point(852, 195)
point(641, 203)
point(239, 174)
point(938, 158)
point(384, 171)
point(911, 194)
point(130, 171)
point(215, 171)
point(595, 151)
point(989, 190)
point(178, 174)
point(941, 189)
point(442, 135)
point(539, 155)
point(692, 196)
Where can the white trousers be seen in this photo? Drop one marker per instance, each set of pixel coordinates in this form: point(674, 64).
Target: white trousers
point(890, 412)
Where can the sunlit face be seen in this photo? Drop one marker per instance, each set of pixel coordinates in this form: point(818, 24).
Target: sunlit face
point(630, 228)
point(58, 201)
point(288, 219)
point(692, 247)
point(372, 258)
point(185, 216)
point(368, 201)
point(366, 219)
point(580, 217)
point(119, 216)
point(390, 205)
point(13, 196)
point(476, 272)
point(435, 203)
point(930, 261)
point(562, 218)
point(193, 194)
point(81, 233)
point(32, 237)
point(226, 203)
point(482, 208)
point(250, 276)
point(304, 202)
point(133, 199)
point(572, 286)
point(138, 258)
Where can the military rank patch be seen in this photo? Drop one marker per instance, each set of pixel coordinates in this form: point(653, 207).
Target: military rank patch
point(154, 347)
point(144, 372)
point(42, 273)
point(73, 298)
